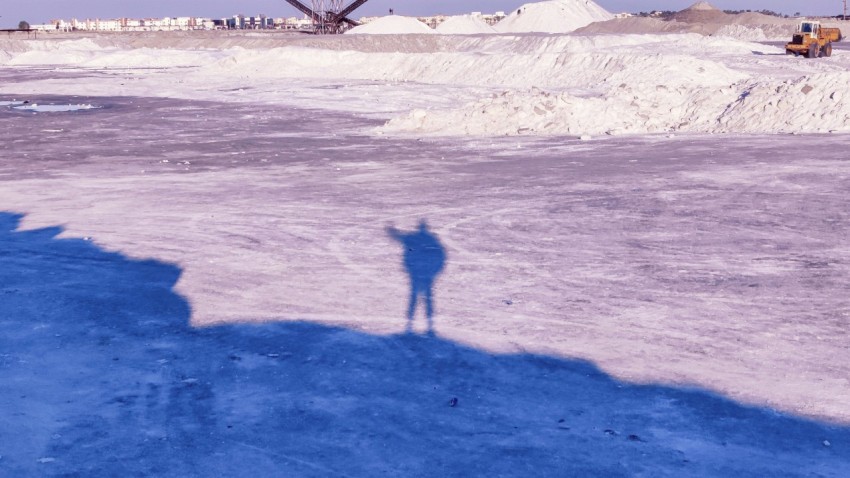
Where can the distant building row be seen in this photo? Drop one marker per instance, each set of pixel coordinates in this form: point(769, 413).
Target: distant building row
point(237, 22)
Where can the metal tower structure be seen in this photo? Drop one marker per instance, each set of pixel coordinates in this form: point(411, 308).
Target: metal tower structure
point(326, 10)
point(329, 16)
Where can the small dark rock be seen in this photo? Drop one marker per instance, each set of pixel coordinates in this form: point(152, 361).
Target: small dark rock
point(634, 438)
point(453, 402)
point(610, 432)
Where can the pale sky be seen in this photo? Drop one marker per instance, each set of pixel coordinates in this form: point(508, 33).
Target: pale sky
point(40, 11)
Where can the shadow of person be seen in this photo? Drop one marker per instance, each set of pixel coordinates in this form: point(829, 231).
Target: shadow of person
point(424, 259)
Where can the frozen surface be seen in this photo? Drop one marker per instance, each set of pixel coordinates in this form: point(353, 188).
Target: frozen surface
point(198, 280)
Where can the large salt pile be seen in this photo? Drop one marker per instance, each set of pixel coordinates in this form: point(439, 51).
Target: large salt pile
point(464, 25)
point(554, 16)
point(705, 19)
point(392, 25)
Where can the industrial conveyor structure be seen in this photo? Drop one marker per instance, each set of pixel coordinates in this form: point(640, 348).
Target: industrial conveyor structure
point(329, 16)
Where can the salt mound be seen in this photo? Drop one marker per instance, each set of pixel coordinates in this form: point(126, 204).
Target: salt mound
point(702, 6)
point(702, 12)
point(464, 25)
point(554, 16)
point(392, 25)
point(749, 26)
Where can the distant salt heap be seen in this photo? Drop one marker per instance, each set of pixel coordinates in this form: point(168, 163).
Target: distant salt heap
point(392, 25)
point(554, 16)
point(702, 6)
point(464, 25)
point(702, 12)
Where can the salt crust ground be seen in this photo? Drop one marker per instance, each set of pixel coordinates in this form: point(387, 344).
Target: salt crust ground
point(710, 270)
point(200, 288)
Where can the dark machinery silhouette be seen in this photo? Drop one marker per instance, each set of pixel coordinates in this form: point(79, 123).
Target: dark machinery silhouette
point(329, 16)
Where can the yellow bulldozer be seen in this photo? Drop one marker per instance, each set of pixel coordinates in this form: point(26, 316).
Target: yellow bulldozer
point(812, 40)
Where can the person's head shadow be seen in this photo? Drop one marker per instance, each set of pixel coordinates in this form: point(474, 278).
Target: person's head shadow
point(424, 260)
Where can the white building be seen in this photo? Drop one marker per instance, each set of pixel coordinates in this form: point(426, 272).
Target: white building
point(44, 27)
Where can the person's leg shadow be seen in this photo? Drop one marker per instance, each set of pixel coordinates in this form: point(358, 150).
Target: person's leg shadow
point(424, 259)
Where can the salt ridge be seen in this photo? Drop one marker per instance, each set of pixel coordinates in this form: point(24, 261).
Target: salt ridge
point(811, 104)
point(601, 84)
point(392, 25)
point(556, 62)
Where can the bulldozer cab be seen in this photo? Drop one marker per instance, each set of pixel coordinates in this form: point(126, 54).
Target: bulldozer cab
point(810, 28)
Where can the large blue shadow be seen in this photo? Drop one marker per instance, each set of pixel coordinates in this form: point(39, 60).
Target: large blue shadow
point(103, 376)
